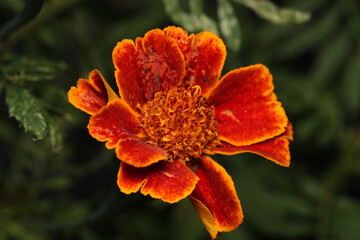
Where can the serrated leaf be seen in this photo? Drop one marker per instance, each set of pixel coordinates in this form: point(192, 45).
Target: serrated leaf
point(269, 11)
point(27, 111)
point(229, 25)
point(25, 69)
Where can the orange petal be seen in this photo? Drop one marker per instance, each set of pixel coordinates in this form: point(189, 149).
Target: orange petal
point(275, 149)
point(137, 153)
point(214, 198)
point(90, 95)
point(154, 64)
point(112, 122)
point(246, 107)
point(182, 39)
point(168, 181)
point(205, 55)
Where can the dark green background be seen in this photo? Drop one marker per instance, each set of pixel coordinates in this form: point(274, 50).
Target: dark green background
point(64, 185)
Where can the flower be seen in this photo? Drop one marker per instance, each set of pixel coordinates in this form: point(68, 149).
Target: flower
point(173, 112)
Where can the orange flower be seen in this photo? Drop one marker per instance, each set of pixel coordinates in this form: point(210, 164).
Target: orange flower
point(173, 111)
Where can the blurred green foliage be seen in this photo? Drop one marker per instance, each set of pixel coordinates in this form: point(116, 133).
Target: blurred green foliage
point(56, 182)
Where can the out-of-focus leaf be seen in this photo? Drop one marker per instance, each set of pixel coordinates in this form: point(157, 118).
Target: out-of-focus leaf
point(56, 101)
point(27, 110)
point(345, 223)
point(1, 85)
point(185, 213)
point(312, 36)
point(26, 69)
point(194, 21)
point(200, 20)
point(324, 119)
point(12, 228)
point(330, 59)
point(229, 25)
point(173, 9)
point(306, 5)
point(12, 6)
point(351, 83)
point(55, 136)
point(276, 210)
point(330, 113)
point(269, 11)
point(239, 233)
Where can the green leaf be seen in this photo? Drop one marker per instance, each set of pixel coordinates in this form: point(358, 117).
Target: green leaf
point(55, 136)
point(269, 11)
point(229, 25)
point(312, 37)
point(351, 84)
point(346, 220)
point(173, 9)
point(200, 20)
point(1, 85)
point(27, 111)
point(330, 59)
point(194, 21)
point(30, 69)
point(276, 210)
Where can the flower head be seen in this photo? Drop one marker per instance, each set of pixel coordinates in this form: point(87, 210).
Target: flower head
point(173, 111)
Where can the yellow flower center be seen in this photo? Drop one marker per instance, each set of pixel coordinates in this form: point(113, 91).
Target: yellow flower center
point(181, 123)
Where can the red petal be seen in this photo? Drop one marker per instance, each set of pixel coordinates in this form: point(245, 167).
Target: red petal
point(215, 199)
point(168, 181)
point(246, 107)
point(90, 95)
point(154, 64)
point(112, 122)
point(275, 149)
point(137, 153)
point(205, 55)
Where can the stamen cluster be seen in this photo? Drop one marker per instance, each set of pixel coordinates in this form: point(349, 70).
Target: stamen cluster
point(181, 123)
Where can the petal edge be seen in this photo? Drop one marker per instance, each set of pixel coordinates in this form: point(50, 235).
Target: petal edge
point(112, 122)
point(275, 149)
point(216, 192)
point(246, 107)
point(168, 181)
point(91, 95)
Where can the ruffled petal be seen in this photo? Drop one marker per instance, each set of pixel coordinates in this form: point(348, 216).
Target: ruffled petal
point(137, 153)
point(154, 64)
point(204, 54)
point(168, 181)
point(246, 107)
point(91, 95)
point(112, 122)
point(275, 149)
point(214, 197)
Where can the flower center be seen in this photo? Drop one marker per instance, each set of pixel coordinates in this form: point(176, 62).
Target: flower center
point(181, 123)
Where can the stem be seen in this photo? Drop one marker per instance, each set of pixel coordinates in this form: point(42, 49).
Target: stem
point(30, 10)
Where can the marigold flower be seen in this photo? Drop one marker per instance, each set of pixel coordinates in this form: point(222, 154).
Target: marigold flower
point(173, 111)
